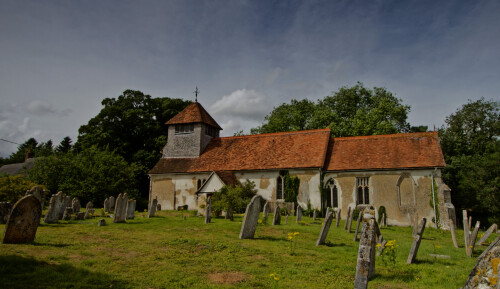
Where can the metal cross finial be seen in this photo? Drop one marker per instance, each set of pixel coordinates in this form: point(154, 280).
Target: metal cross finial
point(196, 93)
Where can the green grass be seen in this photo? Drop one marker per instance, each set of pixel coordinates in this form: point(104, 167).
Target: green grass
point(169, 252)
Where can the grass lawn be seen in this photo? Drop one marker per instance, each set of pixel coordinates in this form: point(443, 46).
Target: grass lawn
point(169, 252)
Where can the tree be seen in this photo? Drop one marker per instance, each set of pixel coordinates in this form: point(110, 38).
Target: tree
point(64, 146)
point(233, 198)
point(12, 188)
point(350, 111)
point(471, 146)
point(20, 155)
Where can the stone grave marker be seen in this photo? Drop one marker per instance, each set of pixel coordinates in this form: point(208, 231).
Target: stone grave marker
point(466, 232)
point(314, 215)
point(57, 206)
point(324, 229)
point(106, 205)
point(327, 211)
point(299, 213)
point(472, 241)
point(5, 208)
point(337, 218)
point(382, 247)
point(23, 221)
point(358, 225)
point(121, 205)
point(152, 208)
point(487, 234)
point(416, 242)
point(265, 212)
point(485, 272)
point(208, 211)
point(286, 219)
point(349, 225)
point(131, 209)
point(68, 201)
point(347, 218)
point(101, 223)
point(277, 216)
point(75, 204)
point(251, 219)
point(365, 268)
point(112, 203)
point(88, 207)
point(453, 236)
point(39, 193)
point(383, 221)
point(80, 216)
point(67, 213)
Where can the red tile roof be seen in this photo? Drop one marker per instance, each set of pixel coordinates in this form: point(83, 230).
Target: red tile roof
point(193, 113)
point(411, 150)
point(302, 149)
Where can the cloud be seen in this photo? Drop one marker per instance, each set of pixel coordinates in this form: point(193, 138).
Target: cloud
point(42, 108)
point(242, 103)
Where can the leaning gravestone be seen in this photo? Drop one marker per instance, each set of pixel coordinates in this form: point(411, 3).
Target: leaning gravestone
point(299, 213)
point(88, 207)
point(249, 224)
point(466, 232)
point(112, 203)
point(347, 218)
point(38, 192)
point(121, 205)
point(208, 211)
point(487, 234)
point(5, 208)
point(416, 242)
point(106, 205)
point(337, 218)
point(152, 208)
point(365, 268)
point(57, 206)
point(67, 213)
point(314, 215)
point(75, 204)
point(349, 223)
point(265, 212)
point(358, 225)
point(472, 241)
point(324, 230)
point(23, 221)
point(485, 272)
point(327, 211)
point(131, 209)
point(277, 216)
point(158, 207)
point(453, 236)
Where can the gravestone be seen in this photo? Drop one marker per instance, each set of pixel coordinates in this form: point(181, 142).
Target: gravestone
point(453, 236)
point(68, 201)
point(472, 241)
point(487, 234)
point(416, 242)
point(80, 216)
point(152, 208)
point(349, 225)
point(112, 203)
point(365, 268)
point(347, 218)
point(88, 207)
point(208, 211)
point(67, 213)
point(337, 221)
point(358, 225)
point(102, 222)
point(265, 212)
point(286, 219)
point(23, 221)
point(485, 272)
point(277, 216)
point(314, 215)
point(251, 219)
point(466, 232)
point(5, 209)
point(57, 206)
point(121, 205)
point(324, 229)
point(131, 209)
point(106, 205)
point(383, 221)
point(37, 192)
point(158, 207)
point(299, 213)
point(327, 211)
point(75, 204)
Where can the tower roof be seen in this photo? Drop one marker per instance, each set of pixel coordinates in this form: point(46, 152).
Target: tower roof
point(193, 113)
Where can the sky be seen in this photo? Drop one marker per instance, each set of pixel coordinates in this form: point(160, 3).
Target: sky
point(60, 59)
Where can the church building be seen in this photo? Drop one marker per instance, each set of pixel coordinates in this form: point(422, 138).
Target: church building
point(401, 172)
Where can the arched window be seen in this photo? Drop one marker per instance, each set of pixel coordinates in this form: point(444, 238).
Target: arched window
point(363, 191)
point(332, 196)
point(279, 188)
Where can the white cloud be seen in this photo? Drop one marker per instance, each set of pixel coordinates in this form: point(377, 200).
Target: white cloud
point(42, 108)
point(242, 103)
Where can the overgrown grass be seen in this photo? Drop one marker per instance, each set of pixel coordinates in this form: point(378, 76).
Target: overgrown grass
point(169, 252)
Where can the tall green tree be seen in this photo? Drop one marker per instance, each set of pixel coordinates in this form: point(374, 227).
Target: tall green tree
point(65, 145)
point(471, 145)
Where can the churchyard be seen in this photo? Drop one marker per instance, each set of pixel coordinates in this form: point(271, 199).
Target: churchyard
point(177, 249)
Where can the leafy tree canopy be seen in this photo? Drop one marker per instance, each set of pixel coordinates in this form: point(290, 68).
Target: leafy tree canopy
point(65, 145)
point(350, 111)
point(12, 188)
point(31, 145)
point(233, 198)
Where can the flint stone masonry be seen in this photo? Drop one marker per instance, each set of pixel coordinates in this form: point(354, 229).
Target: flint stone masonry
point(365, 268)
point(67, 213)
point(208, 211)
point(337, 219)
point(131, 209)
point(112, 203)
point(152, 208)
point(483, 274)
point(249, 224)
point(347, 217)
point(121, 205)
point(75, 204)
point(277, 216)
point(324, 230)
point(101, 223)
point(5, 209)
point(299, 213)
point(416, 242)
point(487, 234)
point(37, 192)
point(23, 221)
point(57, 206)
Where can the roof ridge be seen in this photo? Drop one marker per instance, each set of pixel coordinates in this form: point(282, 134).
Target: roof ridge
point(408, 134)
point(276, 133)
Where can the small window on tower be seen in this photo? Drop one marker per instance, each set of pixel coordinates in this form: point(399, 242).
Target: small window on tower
point(184, 128)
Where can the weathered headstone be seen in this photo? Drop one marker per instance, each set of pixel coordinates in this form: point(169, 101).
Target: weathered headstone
point(120, 213)
point(67, 213)
point(251, 219)
point(80, 216)
point(208, 211)
point(112, 203)
point(102, 222)
point(5, 208)
point(286, 219)
point(152, 208)
point(106, 205)
point(466, 232)
point(487, 234)
point(327, 211)
point(358, 225)
point(416, 242)
point(158, 207)
point(265, 212)
point(131, 209)
point(37, 192)
point(299, 213)
point(68, 201)
point(23, 221)
point(277, 216)
point(314, 215)
point(453, 236)
point(347, 218)
point(365, 268)
point(57, 206)
point(324, 229)
point(75, 204)
point(88, 207)
point(349, 225)
point(472, 241)
point(485, 272)
point(337, 219)
point(383, 221)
